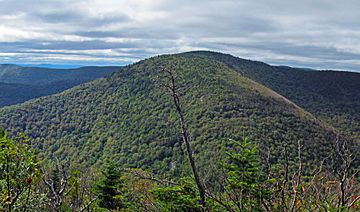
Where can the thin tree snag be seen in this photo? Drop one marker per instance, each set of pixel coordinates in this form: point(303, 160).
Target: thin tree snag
point(298, 181)
point(57, 194)
point(173, 89)
point(145, 176)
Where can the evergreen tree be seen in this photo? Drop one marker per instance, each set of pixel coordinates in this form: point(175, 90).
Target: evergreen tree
point(180, 197)
point(109, 188)
point(243, 166)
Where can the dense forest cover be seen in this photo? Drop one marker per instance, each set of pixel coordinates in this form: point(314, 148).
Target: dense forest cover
point(35, 75)
point(117, 143)
point(245, 183)
point(332, 96)
point(19, 84)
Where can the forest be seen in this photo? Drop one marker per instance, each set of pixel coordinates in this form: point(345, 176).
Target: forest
point(184, 132)
point(246, 184)
point(21, 83)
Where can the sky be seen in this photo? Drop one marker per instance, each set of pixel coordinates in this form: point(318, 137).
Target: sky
point(322, 34)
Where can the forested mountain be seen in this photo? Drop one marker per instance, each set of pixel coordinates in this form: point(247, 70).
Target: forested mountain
point(333, 96)
point(19, 84)
point(34, 75)
point(129, 118)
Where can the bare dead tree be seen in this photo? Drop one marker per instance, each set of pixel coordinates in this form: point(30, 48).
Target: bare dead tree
point(284, 184)
point(87, 206)
point(149, 176)
point(82, 195)
point(316, 187)
point(173, 88)
point(58, 188)
point(297, 182)
point(342, 169)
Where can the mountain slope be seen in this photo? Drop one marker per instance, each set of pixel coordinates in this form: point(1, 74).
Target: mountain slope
point(18, 84)
point(14, 93)
point(332, 96)
point(128, 118)
point(34, 75)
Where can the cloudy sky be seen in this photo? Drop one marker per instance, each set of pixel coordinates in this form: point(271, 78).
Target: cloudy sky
point(321, 34)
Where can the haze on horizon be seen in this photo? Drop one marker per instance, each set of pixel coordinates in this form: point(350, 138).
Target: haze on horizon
point(311, 33)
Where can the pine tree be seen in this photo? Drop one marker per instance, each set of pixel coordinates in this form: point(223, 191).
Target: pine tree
point(108, 188)
point(243, 166)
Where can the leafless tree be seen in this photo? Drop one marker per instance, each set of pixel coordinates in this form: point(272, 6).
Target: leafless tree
point(342, 160)
point(169, 82)
point(58, 185)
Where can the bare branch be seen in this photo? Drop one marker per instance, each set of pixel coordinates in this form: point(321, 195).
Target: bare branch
point(152, 178)
point(171, 85)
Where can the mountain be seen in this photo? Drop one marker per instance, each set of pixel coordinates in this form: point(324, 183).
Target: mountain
point(34, 75)
point(19, 84)
point(15, 93)
point(128, 118)
point(332, 96)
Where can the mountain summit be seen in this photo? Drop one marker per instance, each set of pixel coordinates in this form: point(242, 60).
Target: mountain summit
point(128, 118)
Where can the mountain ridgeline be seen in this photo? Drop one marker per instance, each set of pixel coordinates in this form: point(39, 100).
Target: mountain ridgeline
point(128, 118)
point(19, 84)
point(332, 96)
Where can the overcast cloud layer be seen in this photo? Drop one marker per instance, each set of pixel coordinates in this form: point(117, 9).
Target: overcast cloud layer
point(322, 34)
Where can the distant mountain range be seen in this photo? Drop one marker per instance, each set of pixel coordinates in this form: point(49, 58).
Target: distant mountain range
point(19, 84)
point(128, 118)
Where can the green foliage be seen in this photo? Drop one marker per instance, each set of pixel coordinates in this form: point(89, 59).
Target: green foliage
point(109, 188)
point(36, 75)
point(330, 95)
point(19, 84)
point(127, 118)
point(18, 172)
point(182, 197)
point(243, 166)
point(81, 194)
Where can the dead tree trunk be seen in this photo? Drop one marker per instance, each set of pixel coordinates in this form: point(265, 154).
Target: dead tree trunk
point(174, 92)
point(342, 169)
point(58, 185)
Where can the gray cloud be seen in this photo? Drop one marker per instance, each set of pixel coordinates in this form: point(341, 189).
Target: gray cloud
point(310, 33)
